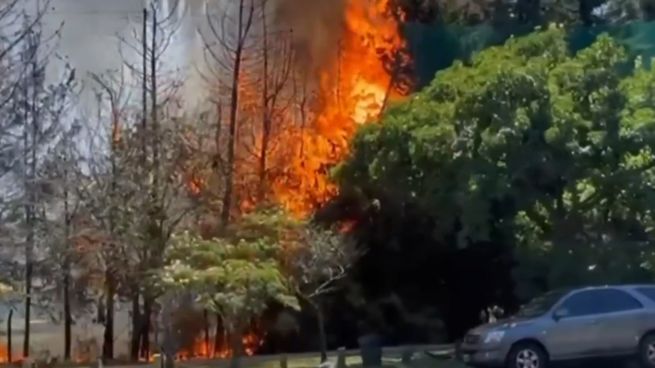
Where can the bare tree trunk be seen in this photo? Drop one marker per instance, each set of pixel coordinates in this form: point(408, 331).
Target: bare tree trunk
point(156, 209)
point(135, 339)
point(110, 281)
point(154, 109)
point(28, 288)
point(9, 334)
point(68, 318)
point(320, 319)
point(30, 213)
point(144, 88)
point(236, 343)
point(205, 315)
point(108, 338)
point(243, 27)
point(219, 335)
point(266, 114)
point(146, 327)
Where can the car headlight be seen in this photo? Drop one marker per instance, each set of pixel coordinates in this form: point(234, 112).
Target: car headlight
point(494, 337)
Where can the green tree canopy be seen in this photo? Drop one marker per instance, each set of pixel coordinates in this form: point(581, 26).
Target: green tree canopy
point(235, 276)
point(550, 147)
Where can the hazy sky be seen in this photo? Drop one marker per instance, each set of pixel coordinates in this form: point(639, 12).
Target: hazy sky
point(89, 37)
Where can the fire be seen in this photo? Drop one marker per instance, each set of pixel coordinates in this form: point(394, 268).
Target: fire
point(251, 342)
point(4, 354)
point(16, 357)
point(317, 113)
point(353, 90)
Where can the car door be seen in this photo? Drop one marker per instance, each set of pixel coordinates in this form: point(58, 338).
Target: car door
point(619, 325)
point(572, 335)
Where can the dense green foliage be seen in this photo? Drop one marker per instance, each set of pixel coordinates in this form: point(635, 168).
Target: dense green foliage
point(553, 150)
point(236, 276)
point(587, 12)
point(265, 257)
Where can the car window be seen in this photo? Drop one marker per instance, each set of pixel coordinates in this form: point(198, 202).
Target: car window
point(541, 304)
point(648, 292)
point(600, 301)
point(583, 303)
point(618, 301)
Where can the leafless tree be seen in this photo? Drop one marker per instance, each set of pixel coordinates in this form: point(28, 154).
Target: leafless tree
point(61, 169)
point(15, 29)
point(37, 110)
point(109, 177)
point(146, 150)
point(321, 259)
point(227, 44)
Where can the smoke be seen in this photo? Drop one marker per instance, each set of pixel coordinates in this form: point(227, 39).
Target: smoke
point(317, 26)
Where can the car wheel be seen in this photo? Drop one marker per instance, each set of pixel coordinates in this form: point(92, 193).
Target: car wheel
point(647, 351)
point(527, 355)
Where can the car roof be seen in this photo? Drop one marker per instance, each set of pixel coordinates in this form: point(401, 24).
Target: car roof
point(620, 287)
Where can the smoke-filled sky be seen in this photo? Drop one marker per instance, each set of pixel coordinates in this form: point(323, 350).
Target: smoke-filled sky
point(316, 25)
point(89, 38)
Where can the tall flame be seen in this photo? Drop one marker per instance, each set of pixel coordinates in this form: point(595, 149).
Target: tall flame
point(348, 85)
point(353, 90)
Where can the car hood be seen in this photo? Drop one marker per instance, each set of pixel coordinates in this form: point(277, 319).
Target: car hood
point(500, 324)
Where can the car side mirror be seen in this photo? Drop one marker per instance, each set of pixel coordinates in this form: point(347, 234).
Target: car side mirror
point(560, 313)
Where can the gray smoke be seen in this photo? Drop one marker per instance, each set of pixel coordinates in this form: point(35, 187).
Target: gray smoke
point(317, 26)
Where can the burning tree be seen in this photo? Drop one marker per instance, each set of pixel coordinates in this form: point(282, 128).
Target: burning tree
point(232, 276)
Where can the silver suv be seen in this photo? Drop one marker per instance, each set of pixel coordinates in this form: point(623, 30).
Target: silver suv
point(562, 325)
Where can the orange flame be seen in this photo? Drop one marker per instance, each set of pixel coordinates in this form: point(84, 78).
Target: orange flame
point(4, 354)
point(353, 90)
point(251, 342)
point(311, 133)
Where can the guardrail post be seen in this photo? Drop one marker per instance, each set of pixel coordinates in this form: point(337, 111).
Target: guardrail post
point(407, 355)
point(341, 358)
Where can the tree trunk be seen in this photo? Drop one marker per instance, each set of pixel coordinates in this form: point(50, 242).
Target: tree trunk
point(28, 298)
point(30, 162)
point(219, 336)
point(68, 318)
point(144, 89)
point(146, 327)
point(236, 343)
point(154, 108)
point(135, 339)
point(108, 339)
point(322, 337)
point(266, 114)
point(243, 28)
point(205, 315)
point(9, 333)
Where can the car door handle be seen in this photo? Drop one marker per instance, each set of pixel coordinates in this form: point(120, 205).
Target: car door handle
point(592, 322)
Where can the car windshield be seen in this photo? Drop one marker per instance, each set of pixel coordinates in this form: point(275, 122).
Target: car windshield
point(541, 304)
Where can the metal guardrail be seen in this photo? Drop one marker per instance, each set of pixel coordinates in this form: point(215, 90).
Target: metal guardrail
point(444, 351)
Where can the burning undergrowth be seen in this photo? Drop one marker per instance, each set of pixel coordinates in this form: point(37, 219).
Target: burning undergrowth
point(199, 335)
